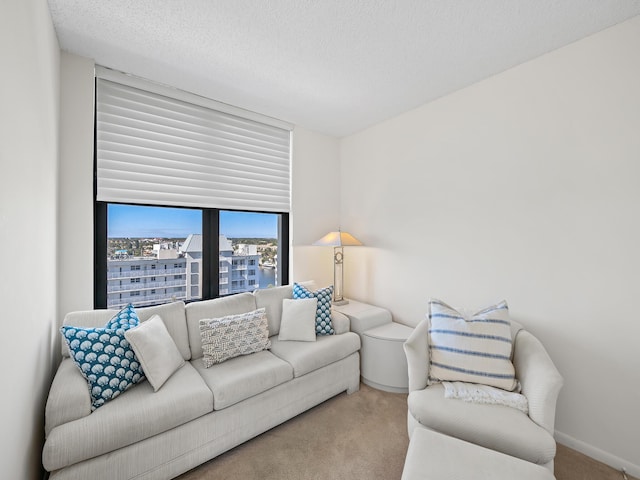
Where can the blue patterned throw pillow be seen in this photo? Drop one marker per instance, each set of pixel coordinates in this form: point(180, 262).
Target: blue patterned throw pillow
point(104, 356)
point(323, 310)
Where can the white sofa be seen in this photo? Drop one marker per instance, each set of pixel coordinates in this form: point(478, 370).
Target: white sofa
point(199, 412)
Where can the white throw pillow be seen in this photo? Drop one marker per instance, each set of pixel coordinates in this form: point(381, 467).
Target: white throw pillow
point(475, 349)
point(156, 350)
point(298, 320)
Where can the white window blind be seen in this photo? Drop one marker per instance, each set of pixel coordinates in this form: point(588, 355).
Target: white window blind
point(157, 149)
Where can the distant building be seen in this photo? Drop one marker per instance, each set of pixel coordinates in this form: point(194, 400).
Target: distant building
point(174, 272)
point(191, 250)
point(238, 270)
point(145, 281)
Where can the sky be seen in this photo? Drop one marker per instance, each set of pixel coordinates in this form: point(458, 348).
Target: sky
point(135, 221)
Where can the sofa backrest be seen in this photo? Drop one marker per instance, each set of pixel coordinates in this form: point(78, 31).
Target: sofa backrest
point(216, 308)
point(183, 322)
point(172, 314)
point(271, 300)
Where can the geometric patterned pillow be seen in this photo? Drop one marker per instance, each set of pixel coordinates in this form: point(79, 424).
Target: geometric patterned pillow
point(474, 349)
point(323, 310)
point(234, 335)
point(104, 356)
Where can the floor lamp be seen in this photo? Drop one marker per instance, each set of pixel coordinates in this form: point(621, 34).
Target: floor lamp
point(338, 240)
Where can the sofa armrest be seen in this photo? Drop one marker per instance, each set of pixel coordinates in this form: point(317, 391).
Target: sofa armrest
point(341, 323)
point(541, 382)
point(417, 351)
point(68, 398)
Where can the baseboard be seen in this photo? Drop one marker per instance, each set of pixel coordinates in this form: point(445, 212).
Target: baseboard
point(600, 455)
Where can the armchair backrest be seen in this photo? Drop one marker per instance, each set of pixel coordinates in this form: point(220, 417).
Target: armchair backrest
point(417, 352)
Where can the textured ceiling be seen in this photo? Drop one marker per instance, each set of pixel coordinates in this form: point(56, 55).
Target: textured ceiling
point(333, 66)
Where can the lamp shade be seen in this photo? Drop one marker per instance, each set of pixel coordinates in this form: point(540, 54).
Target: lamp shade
point(338, 239)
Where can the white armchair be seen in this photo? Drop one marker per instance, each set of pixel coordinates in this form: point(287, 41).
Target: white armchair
point(501, 428)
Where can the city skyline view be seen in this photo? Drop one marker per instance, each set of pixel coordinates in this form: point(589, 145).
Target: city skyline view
point(135, 221)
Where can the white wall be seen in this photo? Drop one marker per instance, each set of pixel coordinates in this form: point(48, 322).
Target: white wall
point(29, 87)
point(315, 199)
point(525, 186)
point(76, 184)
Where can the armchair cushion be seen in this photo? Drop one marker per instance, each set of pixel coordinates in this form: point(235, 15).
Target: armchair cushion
point(497, 427)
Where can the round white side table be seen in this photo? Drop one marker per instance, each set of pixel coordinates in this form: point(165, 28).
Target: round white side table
point(383, 361)
point(383, 364)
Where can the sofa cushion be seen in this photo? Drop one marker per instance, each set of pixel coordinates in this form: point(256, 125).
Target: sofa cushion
point(234, 335)
point(173, 315)
point(136, 414)
point(306, 357)
point(323, 310)
point(298, 320)
point(156, 350)
point(243, 377)
point(501, 428)
point(105, 357)
point(218, 307)
point(471, 348)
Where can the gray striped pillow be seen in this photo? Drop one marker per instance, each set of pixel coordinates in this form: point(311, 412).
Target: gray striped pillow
point(475, 349)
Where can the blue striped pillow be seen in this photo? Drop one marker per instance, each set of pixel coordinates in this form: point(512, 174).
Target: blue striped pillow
point(475, 349)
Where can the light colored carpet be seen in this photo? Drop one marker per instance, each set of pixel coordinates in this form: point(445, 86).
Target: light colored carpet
point(572, 465)
point(360, 437)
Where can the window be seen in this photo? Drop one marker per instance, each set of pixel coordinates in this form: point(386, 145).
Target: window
point(167, 234)
point(186, 185)
point(149, 239)
point(250, 238)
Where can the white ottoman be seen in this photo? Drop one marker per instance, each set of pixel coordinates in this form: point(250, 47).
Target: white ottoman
point(434, 456)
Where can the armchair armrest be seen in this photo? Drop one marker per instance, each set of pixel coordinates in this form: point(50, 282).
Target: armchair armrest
point(541, 382)
point(417, 351)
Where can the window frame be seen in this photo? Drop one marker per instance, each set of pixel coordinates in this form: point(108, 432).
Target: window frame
point(210, 250)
